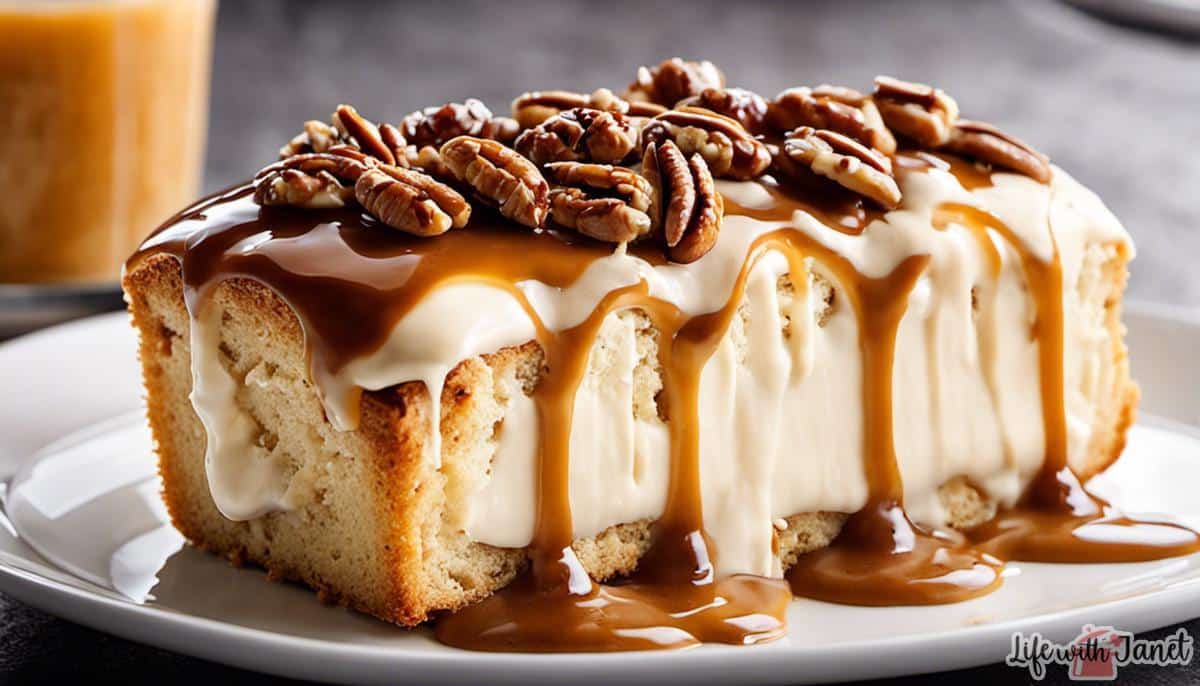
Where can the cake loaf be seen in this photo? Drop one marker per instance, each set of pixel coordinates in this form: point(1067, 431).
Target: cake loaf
point(410, 364)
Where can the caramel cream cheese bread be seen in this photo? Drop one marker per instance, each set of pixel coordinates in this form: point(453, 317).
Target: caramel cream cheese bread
point(689, 334)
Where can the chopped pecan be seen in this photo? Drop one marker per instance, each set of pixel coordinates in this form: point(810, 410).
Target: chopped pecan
point(500, 177)
point(535, 107)
point(843, 110)
point(986, 143)
point(599, 200)
point(687, 205)
point(746, 107)
point(314, 180)
point(726, 146)
point(843, 160)
point(916, 111)
point(436, 125)
point(411, 201)
point(580, 134)
point(672, 81)
point(317, 136)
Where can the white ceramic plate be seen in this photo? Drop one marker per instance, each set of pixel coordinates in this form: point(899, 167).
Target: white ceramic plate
point(94, 548)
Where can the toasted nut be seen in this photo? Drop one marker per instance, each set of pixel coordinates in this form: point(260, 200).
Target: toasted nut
point(395, 142)
point(500, 177)
point(843, 110)
point(986, 143)
point(602, 201)
point(606, 100)
point(535, 107)
point(672, 81)
point(298, 189)
point(317, 136)
point(844, 160)
point(428, 160)
point(745, 107)
point(363, 133)
point(687, 206)
point(313, 180)
point(730, 151)
point(436, 125)
point(411, 201)
point(916, 111)
point(580, 134)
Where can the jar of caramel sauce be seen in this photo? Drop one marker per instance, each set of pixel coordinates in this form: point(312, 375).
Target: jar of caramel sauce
point(103, 116)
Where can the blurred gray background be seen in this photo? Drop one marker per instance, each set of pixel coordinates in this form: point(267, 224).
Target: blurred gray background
point(1118, 107)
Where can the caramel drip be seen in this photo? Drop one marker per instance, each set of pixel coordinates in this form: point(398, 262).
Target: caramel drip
point(829, 203)
point(674, 599)
point(880, 557)
point(1058, 520)
point(970, 175)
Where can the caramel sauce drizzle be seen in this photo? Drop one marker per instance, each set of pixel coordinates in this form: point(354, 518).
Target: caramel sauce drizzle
point(335, 266)
point(1058, 520)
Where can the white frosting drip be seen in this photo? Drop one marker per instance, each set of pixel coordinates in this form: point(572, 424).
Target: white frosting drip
point(781, 420)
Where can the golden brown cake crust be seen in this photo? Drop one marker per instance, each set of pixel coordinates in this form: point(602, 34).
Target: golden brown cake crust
point(375, 535)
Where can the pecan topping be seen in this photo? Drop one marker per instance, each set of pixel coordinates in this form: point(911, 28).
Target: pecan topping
point(535, 107)
point(500, 177)
point(602, 201)
point(436, 125)
point(411, 201)
point(314, 180)
point(317, 136)
point(746, 107)
point(843, 110)
point(363, 133)
point(986, 143)
point(727, 147)
point(916, 111)
point(672, 81)
point(348, 129)
point(688, 206)
point(579, 134)
point(844, 160)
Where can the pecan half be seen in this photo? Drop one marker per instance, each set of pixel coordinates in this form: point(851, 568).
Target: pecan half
point(845, 161)
point(688, 207)
point(580, 134)
point(746, 107)
point(313, 180)
point(986, 143)
point(535, 107)
point(436, 125)
point(916, 111)
point(843, 110)
point(411, 201)
point(599, 200)
point(730, 151)
point(500, 177)
point(672, 81)
point(363, 133)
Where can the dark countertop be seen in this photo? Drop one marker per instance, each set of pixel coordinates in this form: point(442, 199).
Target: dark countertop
point(1118, 107)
